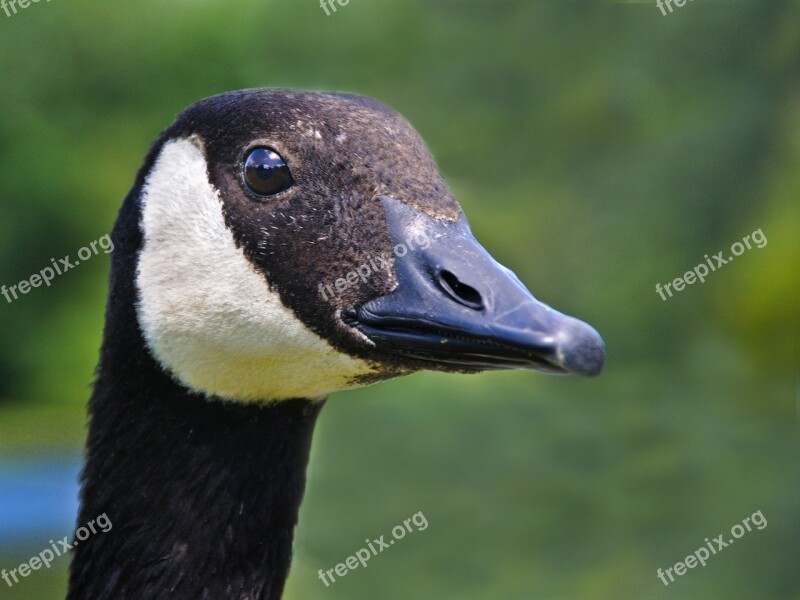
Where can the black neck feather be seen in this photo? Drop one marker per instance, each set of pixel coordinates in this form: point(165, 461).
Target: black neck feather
point(203, 495)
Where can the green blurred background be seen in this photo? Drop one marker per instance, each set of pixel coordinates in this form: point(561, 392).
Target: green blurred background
point(597, 148)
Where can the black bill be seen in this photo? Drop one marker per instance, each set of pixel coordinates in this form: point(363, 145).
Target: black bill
point(456, 306)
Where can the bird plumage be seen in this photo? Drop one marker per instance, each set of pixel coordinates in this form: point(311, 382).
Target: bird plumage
point(219, 350)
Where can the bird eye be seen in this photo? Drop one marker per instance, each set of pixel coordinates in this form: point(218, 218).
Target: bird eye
point(266, 173)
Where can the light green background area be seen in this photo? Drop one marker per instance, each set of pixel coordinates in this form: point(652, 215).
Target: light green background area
point(597, 149)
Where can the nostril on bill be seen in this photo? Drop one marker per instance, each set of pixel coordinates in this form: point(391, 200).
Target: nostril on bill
point(460, 292)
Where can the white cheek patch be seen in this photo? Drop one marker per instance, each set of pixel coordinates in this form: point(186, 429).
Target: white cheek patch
point(206, 314)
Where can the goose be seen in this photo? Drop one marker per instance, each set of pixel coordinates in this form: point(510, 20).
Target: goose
point(239, 299)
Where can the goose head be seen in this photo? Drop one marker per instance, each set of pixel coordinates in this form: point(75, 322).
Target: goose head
point(299, 243)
